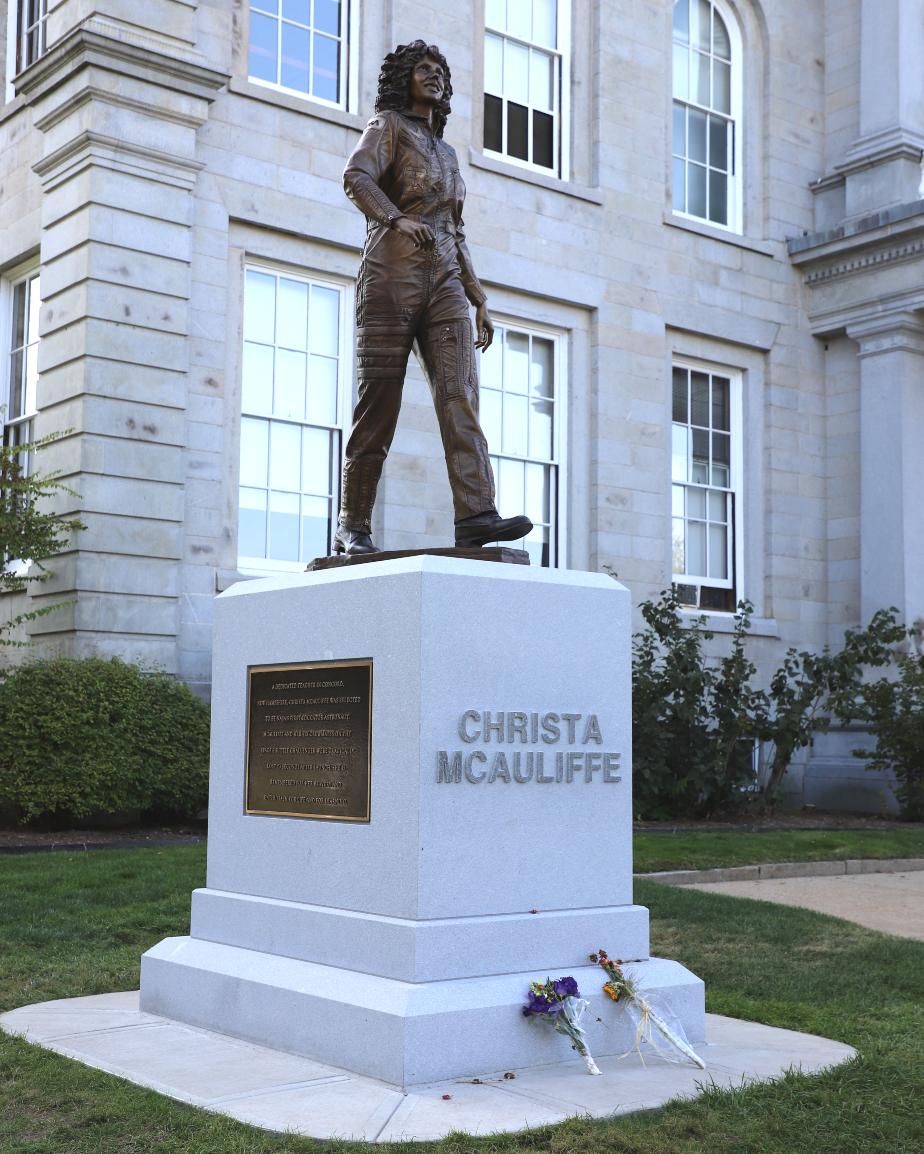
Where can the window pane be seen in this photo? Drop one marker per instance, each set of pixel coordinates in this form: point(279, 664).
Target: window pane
point(299, 10)
point(696, 548)
point(718, 142)
point(721, 44)
point(720, 386)
point(316, 461)
point(289, 392)
point(292, 314)
point(35, 304)
point(251, 540)
point(721, 444)
point(294, 73)
point(30, 404)
point(283, 526)
point(19, 316)
point(257, 382)
point(490, 416)
point(680, 439)
point(542, 139)
point(678, 553)
point(680, 131)
point(679, 407)
point(325, 77)
point(701, 31)
point(491, 363)
point(493, 64)
point(493, 112)
point(315, 527)
point(696, 190)
point(17, 386)
point(324, 321)
point(266, 6)
point(322, 390)
point(516, 365)
point(721, 91)
point(510, 487)
point(516, 416)
point(540, 375)
point(696, 502)
point(682, 20)
point(254, 456)
point(700, 78)
point(720, 476)
point(544, 22)
point(262, 60)
point(699, 472)
point(681, 72)
point(718, 197)
point(285, 457)
point(697, 144)
point(519, 18)
point(699, 391)
point(260, 307)
point(679, 192)
point(540, 80)
point(677, 494)
point(495, 14)
point(536, 505)
point(718, 552)
point(327, 16)
point(540, 429)
point(516, 71)
point(718, 505)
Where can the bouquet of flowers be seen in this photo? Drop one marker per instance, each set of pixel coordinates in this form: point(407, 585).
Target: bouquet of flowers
point(559, 1003)
point(649, 1025)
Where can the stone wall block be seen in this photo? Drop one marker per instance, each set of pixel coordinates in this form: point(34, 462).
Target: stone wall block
point(105, 533)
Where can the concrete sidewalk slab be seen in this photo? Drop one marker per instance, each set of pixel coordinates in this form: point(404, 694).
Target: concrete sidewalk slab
point(892, 903)
point(279, 1091)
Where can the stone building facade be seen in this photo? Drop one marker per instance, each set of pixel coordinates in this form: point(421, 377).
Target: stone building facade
point(700, 226)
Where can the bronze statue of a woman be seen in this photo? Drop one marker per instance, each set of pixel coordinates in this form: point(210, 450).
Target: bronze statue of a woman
point(416, 284)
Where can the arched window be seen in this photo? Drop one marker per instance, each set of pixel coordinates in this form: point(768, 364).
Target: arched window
point(706, 122)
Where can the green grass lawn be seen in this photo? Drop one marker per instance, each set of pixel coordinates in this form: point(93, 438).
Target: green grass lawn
point(73, 924)
point(702, 850)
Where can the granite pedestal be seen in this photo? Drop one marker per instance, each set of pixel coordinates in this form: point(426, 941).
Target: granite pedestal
point(498, 848)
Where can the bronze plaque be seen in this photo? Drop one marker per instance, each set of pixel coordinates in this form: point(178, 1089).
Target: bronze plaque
point(309, 740)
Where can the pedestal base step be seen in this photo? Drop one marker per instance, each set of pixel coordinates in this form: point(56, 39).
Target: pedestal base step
point(402, 1032)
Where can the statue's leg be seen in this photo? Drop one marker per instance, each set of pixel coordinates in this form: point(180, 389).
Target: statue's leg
point(447, 353)
point(382, 349)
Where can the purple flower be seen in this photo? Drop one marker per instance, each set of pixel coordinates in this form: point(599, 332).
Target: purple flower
point(566, 988)
point(537, 1004)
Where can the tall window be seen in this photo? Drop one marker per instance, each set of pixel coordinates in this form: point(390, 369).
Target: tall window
point(525, 89)
point(705, 117)
point(290, 425)
point(18, 399)
point(300, 45)
point(705, 486)
point(521, 412)
point(31, 18)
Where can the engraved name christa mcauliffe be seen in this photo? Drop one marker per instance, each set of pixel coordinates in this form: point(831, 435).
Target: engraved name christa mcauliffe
point(515, 729)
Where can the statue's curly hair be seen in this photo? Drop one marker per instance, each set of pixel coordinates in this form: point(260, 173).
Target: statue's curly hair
point(395, 80)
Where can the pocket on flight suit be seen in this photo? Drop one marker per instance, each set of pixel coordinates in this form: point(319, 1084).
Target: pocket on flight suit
point(455, 360)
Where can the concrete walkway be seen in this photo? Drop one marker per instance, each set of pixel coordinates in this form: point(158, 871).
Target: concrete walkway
point(281, 1091)
point(890, 902)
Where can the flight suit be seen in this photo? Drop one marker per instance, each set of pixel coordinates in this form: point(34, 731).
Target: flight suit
point(413, 297)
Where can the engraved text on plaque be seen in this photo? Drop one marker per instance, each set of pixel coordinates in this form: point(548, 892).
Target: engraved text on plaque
point(309, 740)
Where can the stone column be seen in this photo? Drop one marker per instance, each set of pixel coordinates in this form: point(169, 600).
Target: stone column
point(119, 108)
point(884, 165)
point(891, 463)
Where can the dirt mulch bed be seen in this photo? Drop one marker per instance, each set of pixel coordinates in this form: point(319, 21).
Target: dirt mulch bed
point(802, 820)
point(22, 839)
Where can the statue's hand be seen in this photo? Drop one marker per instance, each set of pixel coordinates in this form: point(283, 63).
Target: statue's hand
point(421, 234)
point(484, 328)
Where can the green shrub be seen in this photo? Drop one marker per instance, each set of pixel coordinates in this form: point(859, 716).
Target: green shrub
point(86, 737)
point(894, 711)
point(694, 720)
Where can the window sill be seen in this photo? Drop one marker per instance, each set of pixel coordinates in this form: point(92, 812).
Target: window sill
point(502, 168)
point(302, 104)
point(702, 229)
point(725, 623)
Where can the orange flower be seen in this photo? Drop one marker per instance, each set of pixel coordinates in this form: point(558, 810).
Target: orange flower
point(611, 991)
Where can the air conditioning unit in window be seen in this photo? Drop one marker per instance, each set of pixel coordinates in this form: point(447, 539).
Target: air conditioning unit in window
point(709, 598)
